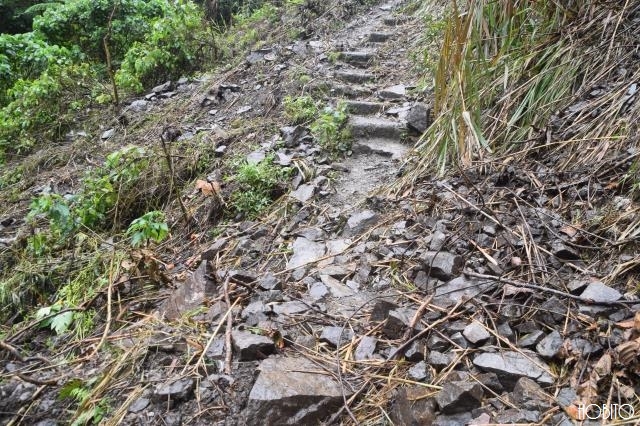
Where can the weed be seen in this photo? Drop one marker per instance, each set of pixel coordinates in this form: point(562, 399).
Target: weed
point(256, 185)
point(300, 110)
point(149, 227)
point(330, 130)
point(334, 57)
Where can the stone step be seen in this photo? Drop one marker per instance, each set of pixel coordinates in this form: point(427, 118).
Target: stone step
point(364, 107)
point(357, 58)
point(336, 89)
point(353, 76)
point(376, 128)
point(383, 147)
point(379, 37)
point(393, 21)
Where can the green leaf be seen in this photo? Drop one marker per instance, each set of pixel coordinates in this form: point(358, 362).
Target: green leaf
point(60, 323)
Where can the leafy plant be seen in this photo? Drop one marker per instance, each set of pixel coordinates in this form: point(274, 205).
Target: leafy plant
point(330, 130)
point(149, 227)
point(256, 186)
point(59, 323)
point(300, 110)
point(173, 45)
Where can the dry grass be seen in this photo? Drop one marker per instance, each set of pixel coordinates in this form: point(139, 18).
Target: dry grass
point(525, 77)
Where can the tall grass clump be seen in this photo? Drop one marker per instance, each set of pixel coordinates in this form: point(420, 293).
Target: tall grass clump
point(507, 67)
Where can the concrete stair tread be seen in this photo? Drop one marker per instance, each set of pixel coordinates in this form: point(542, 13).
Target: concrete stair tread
point(354, 76)
point(384, 147)
point(379, 36)
point(359, 107)
point(392, 21)
point(359, 58)
point(376, 128)
point(337, 89)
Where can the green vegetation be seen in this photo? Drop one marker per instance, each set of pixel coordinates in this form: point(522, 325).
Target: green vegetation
point(65, 236)
point(300, 110)
point(331, 131)
point(149, 227)
point(49, 75)
point(256, 186)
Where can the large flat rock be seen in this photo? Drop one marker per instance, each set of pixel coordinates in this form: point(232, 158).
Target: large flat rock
point(510, 366)
point(292, 391)
point(305, 251)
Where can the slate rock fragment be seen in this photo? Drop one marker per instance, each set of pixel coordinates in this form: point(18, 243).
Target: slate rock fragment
point(250, 347)
point(292, 391)
point(511, 366)
point(459, 397)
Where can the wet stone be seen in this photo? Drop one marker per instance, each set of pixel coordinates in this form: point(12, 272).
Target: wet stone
point(269, 282)
point(394, 92)
point(304, 193)
point(179, 390)
point(550, 345)
point(396, 323)
point(305, 251)
point(361, 221)
point(190, 295)
point(553, 311)
point(418, 118)
point(292, 391)
point(139, 405)
point(530, 339)
point(530, 396)
point(251, 347)
point(366, 348)
point(442, 265)
point(517, 416)
point(419, 372)
point(459, 397)
point(598, 292)
point(318, 291)
point(511, 366)
point(416, 352)
point(336, 336)
point(476, 333)
point(381, 310)
point(438, 360)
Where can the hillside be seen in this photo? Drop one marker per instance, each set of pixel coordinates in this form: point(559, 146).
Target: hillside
point(404, 212)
